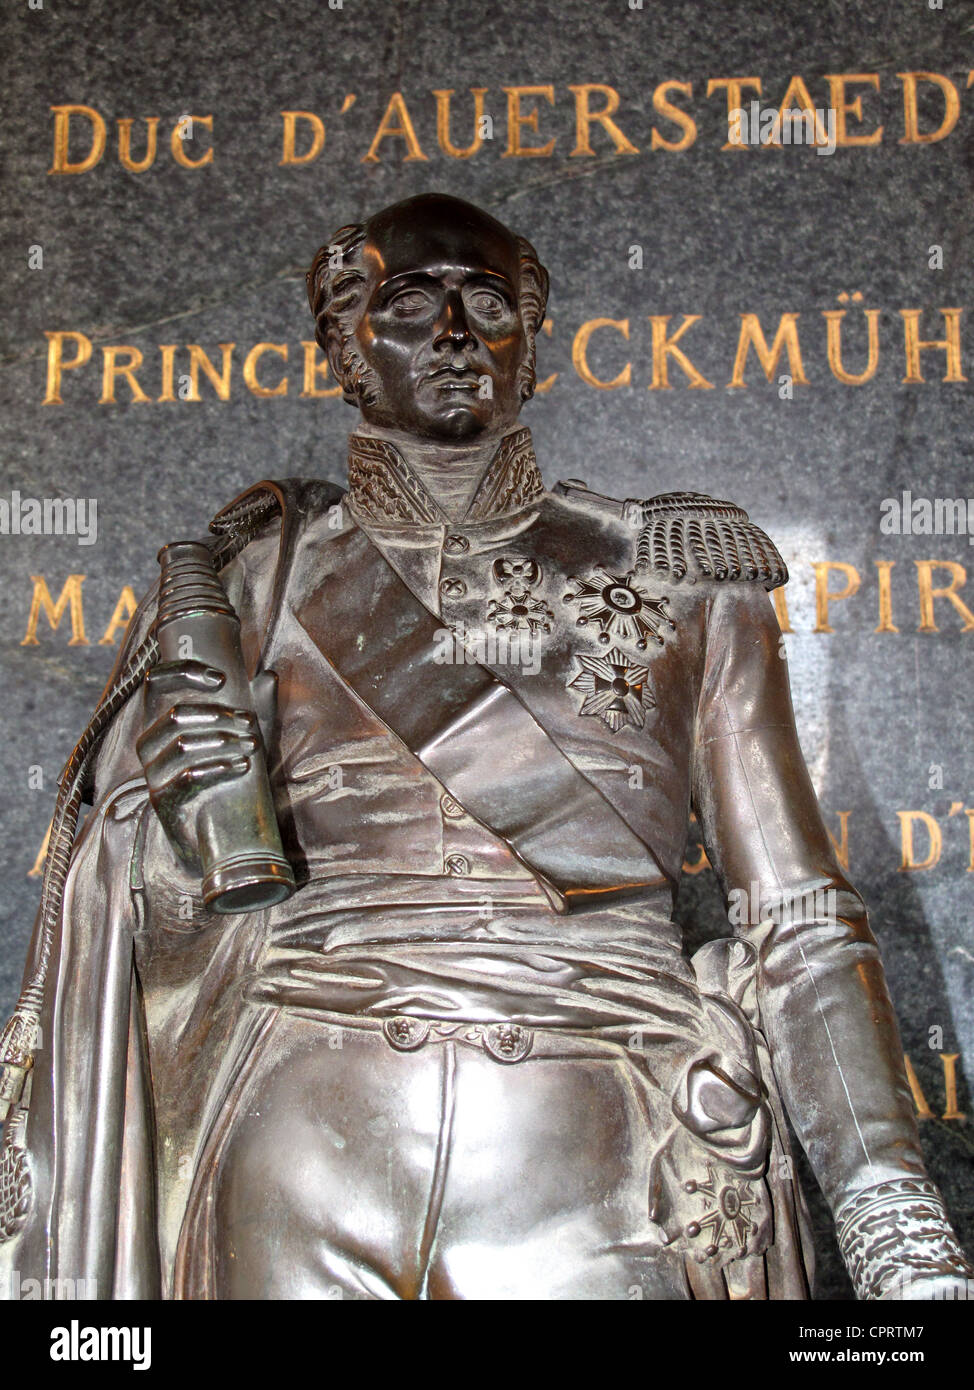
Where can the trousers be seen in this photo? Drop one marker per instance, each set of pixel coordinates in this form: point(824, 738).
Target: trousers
point(347, 1166)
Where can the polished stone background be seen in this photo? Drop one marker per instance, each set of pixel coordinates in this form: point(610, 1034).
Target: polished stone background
point(216, 255)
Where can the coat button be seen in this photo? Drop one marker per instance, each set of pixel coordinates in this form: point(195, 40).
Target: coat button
point(405, 1034)
point(457, 865)
point(456, 545)
point(451, 808)
point(452, 588)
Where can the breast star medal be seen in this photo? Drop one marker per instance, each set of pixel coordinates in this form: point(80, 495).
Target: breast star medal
point(624, 610)
point(614, 687)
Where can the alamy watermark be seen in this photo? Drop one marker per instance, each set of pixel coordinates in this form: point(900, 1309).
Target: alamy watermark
point(461, 645)
point(29, 1289)
point(49, 516)
point(795, 125)
point(77, 1343)
point(907, 515)
point(752, 906)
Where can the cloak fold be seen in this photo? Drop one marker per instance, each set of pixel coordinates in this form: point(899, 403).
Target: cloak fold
point(89, 1122)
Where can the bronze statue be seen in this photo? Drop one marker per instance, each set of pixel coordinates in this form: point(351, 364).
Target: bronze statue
point(468, 1057)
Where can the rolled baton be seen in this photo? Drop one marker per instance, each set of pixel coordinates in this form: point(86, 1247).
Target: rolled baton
point(244, 868)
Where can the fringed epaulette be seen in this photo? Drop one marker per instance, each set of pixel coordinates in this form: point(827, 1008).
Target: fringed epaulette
point(246, 516)
point(690, 534)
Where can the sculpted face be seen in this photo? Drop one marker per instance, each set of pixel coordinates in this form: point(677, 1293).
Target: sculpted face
point(441, 330)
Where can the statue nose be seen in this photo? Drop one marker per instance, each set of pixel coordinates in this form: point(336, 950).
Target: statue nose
point(452, 328)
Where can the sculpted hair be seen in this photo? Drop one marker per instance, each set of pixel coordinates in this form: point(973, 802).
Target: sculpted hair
point(336, 285)
point(532, 293)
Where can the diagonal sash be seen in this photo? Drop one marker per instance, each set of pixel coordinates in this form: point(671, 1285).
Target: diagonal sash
point(462, 721)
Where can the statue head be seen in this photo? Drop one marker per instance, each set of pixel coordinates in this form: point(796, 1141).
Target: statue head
point(428, 314)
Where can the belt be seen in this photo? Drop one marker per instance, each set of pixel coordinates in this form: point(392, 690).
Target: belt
point(505, 1042)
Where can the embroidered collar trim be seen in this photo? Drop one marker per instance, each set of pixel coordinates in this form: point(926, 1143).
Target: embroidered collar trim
point(383, 487)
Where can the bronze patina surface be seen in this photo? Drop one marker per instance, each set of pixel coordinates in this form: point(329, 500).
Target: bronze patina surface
point(469, 1057)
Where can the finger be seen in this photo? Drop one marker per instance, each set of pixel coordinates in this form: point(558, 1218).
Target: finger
point(213, 741)
point(170, 678)
point(192, 717)
point(204, 774)
point(190, 749)
point(196, 673)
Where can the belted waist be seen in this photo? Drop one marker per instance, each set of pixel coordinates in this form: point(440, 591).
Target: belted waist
point(382, 951)
point(525, 987)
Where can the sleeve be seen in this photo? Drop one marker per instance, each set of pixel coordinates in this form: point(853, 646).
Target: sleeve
point(825, 1007)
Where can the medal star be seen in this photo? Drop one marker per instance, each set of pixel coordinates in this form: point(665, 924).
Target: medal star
point(614, 689)
point(519, 612)
point(623, 609)
point(726, 1209)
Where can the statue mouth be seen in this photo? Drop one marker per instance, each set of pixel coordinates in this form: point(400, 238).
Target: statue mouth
point(454, 379)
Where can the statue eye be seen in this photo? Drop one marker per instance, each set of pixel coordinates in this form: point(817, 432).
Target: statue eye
point(488, 303)
point(409, 303)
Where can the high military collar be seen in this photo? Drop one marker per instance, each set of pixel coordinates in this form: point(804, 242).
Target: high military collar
point(384, 489)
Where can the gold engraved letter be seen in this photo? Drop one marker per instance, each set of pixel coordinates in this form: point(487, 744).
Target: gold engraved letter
point(584, 117)
point(317, 125)
point(443, 123)
point(313, 369)
point(673, 113)
point(833, 318)
point(62, 121)
point(841, 845)
point(119, 620)
point(843, 108)
point(928, 593)
point(388, 129)
point(665, 347)
point(919, 1099)
point(824, 595)
point(70, 597)
point(734, 87)
point(220, 381)
point(911, 123)
point(56, 363)
point(111, 369)
point(785, 338)
point(176, 143)
point(909, 859)
point(515, 121)
point(580, 350)
point(914, 346)
point(250, 369)
point(125, 145)
point(886, 623)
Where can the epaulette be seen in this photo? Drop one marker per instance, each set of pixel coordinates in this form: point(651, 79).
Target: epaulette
point(691, 535)
point(248, 513)
point(687, 532)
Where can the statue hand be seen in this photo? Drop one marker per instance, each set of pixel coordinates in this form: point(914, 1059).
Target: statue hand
point(190, 745)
